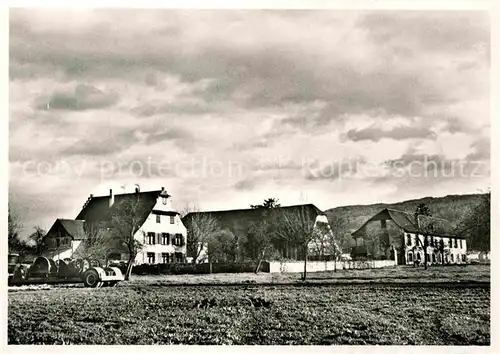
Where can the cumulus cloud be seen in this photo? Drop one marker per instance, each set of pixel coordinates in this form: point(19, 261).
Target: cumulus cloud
point(82, 98)
point(246, 184)
point(201, 94)
point(398, 133)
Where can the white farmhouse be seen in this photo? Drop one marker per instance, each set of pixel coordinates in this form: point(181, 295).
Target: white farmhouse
point(161, 230)
point(398, 235)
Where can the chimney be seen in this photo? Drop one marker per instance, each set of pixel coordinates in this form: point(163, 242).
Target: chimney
point(91, 196)
point(137, 189)
point(111, 197)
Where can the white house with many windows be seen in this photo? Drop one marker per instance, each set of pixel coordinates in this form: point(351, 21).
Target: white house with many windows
point(398, 235)
point(161, 232)
point(163, 235)
point(454, 249)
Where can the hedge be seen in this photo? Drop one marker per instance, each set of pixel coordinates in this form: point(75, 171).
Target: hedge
point(202, 268)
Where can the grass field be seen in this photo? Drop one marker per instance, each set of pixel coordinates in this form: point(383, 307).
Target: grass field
point(149, 310)
point(400, 274)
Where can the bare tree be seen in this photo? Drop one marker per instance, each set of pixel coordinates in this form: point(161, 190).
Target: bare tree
point(126, 220)
point(99, 241)
point(423, 228)
point(298, 227)
point(14, 229)
point(38, 238)
point(222, 247)
point(261, 234)
point(201, 227)
point(259, 241)
point(325, 243)
point(441, 250)
point(475, 225)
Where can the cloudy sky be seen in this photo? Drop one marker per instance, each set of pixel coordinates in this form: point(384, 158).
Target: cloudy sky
point(225, 108)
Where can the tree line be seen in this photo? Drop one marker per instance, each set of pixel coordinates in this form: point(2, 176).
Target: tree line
point(271, 237)
point(33, 245)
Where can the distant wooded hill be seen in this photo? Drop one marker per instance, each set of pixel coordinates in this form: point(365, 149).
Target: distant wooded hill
point(452, 207)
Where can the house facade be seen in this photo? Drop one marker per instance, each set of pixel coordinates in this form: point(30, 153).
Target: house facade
point(162, 234)
point(64, 239)
point(160, 229)
point(399, 235)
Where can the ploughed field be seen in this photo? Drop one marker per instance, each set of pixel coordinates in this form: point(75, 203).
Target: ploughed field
point(156, 313)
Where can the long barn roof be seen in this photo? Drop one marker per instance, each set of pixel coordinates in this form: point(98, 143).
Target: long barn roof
point(242, 218)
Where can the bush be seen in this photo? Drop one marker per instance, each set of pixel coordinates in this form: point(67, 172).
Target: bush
point(201, 268)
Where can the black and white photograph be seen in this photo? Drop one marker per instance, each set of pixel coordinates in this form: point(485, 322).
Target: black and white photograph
point(249, 177)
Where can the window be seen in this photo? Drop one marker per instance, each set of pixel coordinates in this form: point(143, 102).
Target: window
point(178, 240)
point(456, 243)
point(179, 257)
point(172, 219)
point(464, 259)
point(158, 218)
point(419, 258)
point(410, 257)
point(452, 258)
point(383, 224)
point(450, 243)
point(461, 243)
point(58, 242)
point(408, 239)
point(165, 239)
point(165, 257)
point(151, 257)
point(164, 200)
point(151, 238)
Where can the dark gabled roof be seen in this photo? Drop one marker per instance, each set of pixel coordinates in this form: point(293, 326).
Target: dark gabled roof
point(97, 208)
point(240, 219)
point(407, 222)
point(74, 228)
point(259, 211)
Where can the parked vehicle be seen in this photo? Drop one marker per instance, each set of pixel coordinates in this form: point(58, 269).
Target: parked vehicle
point(46, 271)
point(12, 262)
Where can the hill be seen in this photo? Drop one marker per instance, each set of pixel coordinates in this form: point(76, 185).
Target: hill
point(349, 218)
